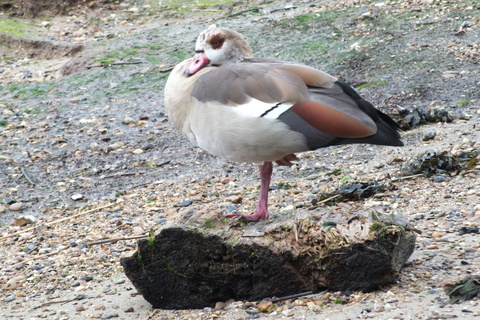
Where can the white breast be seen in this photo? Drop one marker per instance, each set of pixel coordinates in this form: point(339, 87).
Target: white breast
point(247, 133)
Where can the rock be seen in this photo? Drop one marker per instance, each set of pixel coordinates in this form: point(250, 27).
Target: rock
point(194, 261)
point(429, 136)
point(437, 234)
point(2, 209)
point(138, 151)
point(265, 306)
point(234, 199)
point(79, 33)
point(9, 298)
point(110, 316)
point(76, 196)
point(138, 230)
point(185, 203)
point(129, 309)
point(31, 247)
point(219, 305)
point(128, 120)
point(148, 146)
point(80, 308)
point(288, 312)
point(15, 283)
point(17, 206)
point(440, 179)
point(24, 220)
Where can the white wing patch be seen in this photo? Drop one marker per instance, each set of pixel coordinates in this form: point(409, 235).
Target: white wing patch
point(257, 108)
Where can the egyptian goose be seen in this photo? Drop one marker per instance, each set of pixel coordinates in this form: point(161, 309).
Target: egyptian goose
point(250, 109)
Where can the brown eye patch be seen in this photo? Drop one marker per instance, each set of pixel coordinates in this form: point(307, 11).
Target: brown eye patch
point(217, 41)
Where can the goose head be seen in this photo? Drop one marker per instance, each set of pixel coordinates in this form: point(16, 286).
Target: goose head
point(216, 46)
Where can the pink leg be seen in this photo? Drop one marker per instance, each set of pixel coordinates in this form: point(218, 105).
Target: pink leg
point(262, 206)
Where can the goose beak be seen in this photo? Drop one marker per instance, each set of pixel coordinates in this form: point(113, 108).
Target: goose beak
point(199, 61)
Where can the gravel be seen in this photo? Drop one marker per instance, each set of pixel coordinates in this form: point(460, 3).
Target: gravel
point(103, 171)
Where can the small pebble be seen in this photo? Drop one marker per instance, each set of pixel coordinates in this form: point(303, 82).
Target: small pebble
point(138, 230)
point(31, 247)
point(14, 283)
point(9, 298)
point(219, 305)
point(110, 316)
point(75, 283)
point(77, 196)
point(80, 308)
point(24, 220)
point(429, 136)
point(440, 179)
point(265, 306)
point(288, 312)
point(437, 234)
point(129, 309)
point(17, 206)
point(148, 146)
point(2, 209)
point(128, 120)
point(234, 199)
point(185, 203)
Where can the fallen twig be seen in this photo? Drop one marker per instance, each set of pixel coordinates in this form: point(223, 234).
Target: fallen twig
point(283, 9)
point(25, 175)
point(113, 240)
point(328, 199)
point(254, 9)
point(152, 314)
point(113, 64)
point(77, 298)
point(57, 221)
point(116, 175)
point(407, 177)
point(293, 296)
point(166, 70)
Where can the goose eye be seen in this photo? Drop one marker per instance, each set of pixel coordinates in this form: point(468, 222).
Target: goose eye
point(217, 42)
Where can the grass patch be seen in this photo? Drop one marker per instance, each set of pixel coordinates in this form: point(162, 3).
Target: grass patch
point(317, 20)
point(13, 28)
point(179, 54)
point(184, 5)
point(369, 84)
point(117, 55)
point(32, 111)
